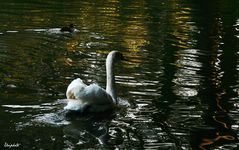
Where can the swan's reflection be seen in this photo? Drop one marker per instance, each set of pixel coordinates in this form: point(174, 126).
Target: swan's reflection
point(85, 127)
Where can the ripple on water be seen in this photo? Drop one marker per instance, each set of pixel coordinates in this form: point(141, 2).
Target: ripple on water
point(50, 31)
point(28, 107)
point(56, 117)
point(12, 31)
point(187, 77)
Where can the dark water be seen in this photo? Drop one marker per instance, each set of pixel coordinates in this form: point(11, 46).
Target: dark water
point(179, 91)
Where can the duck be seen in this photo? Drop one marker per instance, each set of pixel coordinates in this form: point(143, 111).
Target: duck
point(69, 28)
point(93, 98)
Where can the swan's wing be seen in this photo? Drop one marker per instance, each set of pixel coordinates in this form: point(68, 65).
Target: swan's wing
point(96, 95)
point(76, 89)
point(97, 99)
point(81, 97)
point(76, 105)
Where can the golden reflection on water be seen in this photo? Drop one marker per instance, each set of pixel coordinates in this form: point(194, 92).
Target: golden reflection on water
point(135, 33)
point(126, 25)
point(133, 44)
point(183, 26)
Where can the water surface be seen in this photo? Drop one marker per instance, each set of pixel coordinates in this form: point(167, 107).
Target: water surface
point(179, 90)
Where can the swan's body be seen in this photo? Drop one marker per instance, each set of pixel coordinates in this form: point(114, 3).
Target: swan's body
point(92, 97)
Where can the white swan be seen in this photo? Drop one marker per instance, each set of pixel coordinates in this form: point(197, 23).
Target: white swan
point(93, 98)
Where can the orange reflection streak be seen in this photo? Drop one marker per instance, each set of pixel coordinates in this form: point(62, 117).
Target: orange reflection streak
point(207, 142)
point(218, 99)
point(215, 62)
point(223, 123)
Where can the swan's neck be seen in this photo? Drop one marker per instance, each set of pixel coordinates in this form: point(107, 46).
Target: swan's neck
point(110, 78)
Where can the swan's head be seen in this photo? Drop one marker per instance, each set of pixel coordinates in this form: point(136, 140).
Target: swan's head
point(115, 56)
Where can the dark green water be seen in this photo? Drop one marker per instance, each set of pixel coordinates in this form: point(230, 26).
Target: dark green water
point(179, 91)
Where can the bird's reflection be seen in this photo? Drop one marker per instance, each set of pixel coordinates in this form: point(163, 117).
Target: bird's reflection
point(87, 126)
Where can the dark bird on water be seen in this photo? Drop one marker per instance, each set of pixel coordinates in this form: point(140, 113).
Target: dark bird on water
point(69, 28)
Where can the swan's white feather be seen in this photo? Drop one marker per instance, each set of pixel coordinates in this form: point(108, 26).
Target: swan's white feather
point(75, 90)
point(80, 96)
point(94, 98)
